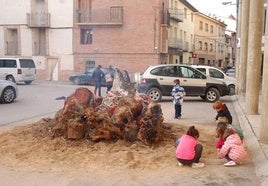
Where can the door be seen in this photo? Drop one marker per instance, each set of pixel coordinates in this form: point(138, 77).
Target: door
point(52, 69)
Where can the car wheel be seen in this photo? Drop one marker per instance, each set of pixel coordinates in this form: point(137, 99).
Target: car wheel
point(10, 78)
point(212, 95)
point(231, 90)
point(27, 82)
point(8, 95)
point(155, 94)
point(77, 81)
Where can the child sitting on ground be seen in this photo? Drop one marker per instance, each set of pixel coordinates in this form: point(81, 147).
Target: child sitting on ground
point(188, 150)
point(222, 111)
point(221, 127)
point(232, 149)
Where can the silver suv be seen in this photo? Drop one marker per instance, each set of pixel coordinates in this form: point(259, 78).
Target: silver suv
point(218, 74)
point(157, 81)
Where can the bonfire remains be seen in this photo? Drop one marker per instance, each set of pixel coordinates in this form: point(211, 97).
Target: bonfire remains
point(121, 114)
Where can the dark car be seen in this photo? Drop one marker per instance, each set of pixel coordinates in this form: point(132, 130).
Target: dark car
point(86, 77)
point(157, 81)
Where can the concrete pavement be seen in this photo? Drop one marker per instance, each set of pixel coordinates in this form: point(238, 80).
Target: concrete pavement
point(250, 125)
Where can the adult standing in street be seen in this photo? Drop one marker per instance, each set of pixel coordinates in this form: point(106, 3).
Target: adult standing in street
point(97, 76)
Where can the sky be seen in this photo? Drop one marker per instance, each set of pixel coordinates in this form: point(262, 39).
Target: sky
point(215, 7)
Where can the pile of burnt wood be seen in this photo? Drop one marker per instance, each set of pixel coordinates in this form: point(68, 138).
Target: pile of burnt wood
point(120, 114)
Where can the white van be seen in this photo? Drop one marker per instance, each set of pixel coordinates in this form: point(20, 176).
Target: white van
point(218, 74)
point(17, 70)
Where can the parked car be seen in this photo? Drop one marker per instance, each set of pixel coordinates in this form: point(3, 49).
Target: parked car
point(17, 70)
point(8, 91)
point(157, 81)
point(231, 72)
point(218, 74)
point(86, 77)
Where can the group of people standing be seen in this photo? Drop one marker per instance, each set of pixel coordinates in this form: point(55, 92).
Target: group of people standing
point(229, 143)
point(97, 77)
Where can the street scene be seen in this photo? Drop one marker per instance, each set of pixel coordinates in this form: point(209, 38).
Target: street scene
point(152, 92)
point(162, 169)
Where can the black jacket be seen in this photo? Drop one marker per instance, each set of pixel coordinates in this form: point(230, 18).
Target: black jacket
point(225, 113)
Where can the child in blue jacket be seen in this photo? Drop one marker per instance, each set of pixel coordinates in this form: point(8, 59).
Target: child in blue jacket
point(177, 93)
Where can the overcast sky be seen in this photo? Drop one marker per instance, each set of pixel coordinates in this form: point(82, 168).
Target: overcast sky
point(215, 7)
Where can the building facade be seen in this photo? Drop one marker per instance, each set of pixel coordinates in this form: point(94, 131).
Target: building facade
point(181, 32)
point(65, 37)
point(209, 41)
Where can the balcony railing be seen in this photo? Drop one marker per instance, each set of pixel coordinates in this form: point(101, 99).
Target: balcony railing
point(111, 16)
point(175, 43)
point(38, 20)
point(176, 14)
point(185, 46)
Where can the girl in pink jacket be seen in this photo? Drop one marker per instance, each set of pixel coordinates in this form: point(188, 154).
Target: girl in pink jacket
point(188, 150)
point(233, 149)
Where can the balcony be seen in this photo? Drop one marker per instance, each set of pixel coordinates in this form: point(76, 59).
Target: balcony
point(38, 20)
point(185, 46)
point(175, 43)
point(176, 14)
point(111, 16)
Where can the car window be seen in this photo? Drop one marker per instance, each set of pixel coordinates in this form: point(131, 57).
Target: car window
point(170, 71)
point(27, 63)
point(216, 73)
point(160, 71)
point(10, 63)
point(202, 70)
point(192, 73)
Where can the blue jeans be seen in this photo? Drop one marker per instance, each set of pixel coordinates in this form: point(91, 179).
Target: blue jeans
point(177, 111)
point(97, 85)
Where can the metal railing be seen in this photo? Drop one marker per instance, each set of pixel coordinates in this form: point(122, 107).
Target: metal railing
point(175, 43)
point(38, 20)
point(113, 15)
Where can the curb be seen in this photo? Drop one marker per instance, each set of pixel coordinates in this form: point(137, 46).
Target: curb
point(257, 154)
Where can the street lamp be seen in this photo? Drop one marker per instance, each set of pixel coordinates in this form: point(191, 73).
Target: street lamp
point(228, 3)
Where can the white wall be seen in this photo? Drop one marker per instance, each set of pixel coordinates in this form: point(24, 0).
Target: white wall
point(26, 41)
point(14, 11)
point(61, 13)
point(2, 45)
point(60, 43)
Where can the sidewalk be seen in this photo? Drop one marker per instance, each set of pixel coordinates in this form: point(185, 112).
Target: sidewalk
point(250, 125)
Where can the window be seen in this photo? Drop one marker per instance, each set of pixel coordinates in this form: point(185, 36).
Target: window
point(211, 29)
point(39, 41)
point(206, 46)
point(200, 25)
point(86, 36)
point(216, 74)
point(185, 13)
point(200, 45)
point(12, 41)
point(206, 27)
point(8, 63)
point(211, 47)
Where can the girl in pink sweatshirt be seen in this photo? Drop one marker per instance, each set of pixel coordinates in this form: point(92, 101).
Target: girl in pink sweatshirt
point(188, 150)
point(232, 149)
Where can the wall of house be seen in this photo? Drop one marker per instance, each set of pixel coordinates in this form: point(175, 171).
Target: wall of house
point(132, 46)
point(210, 57)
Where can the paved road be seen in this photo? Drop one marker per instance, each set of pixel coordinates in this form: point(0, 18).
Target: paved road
point(35, 100)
